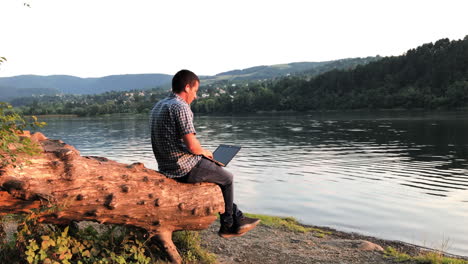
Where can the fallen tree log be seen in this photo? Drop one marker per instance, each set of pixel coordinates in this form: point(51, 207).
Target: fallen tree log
point(86, 188)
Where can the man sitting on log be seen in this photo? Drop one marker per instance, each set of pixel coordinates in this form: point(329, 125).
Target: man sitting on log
point(180, 155)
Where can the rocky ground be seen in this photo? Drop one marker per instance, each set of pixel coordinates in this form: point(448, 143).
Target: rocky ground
point(267, 245)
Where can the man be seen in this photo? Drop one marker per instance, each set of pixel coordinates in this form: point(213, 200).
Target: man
point(180, 155)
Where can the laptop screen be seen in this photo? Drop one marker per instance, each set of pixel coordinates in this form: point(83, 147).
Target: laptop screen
point(225, 153)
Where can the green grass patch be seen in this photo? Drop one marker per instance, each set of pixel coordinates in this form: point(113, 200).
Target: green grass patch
point(189, 245)
point(288, 223)
point(425, 258)
point(396, 255)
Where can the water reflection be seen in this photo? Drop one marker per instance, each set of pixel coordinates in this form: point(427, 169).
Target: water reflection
point(383, 174)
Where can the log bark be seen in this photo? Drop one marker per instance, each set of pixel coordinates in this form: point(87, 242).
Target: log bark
point(87, 188)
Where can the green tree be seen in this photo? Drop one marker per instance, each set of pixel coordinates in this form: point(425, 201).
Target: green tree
point(457, 94)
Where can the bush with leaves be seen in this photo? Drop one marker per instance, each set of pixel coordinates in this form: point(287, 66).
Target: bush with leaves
point(36, 243)
point(12, 125)
point(51, 244)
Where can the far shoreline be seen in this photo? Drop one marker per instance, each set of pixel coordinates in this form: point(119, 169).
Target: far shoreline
point(276, 112)
point(53, 115)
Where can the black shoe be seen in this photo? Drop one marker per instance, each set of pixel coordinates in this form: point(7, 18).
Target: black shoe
point(229, 231)
point(245, 224)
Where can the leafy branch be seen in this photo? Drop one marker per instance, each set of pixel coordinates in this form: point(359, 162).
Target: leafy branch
point(12, 125)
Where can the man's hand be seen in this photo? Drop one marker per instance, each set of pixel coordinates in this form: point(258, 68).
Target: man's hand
point(208, 154)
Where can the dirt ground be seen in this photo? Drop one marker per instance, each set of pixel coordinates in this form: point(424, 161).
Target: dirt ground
point(267, 245)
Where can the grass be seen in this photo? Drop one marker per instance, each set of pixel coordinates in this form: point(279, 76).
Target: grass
point(191, 251)
point(288, 223)
point(424, 258)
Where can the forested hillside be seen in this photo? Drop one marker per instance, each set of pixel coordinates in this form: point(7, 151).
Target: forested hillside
point(432, 76)
point(280, 70)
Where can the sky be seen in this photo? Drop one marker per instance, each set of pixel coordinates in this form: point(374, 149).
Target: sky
point(95, 38)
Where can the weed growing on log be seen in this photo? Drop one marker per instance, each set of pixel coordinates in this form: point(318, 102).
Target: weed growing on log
point(12, 125)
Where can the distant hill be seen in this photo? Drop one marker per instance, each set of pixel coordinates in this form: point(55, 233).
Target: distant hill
point(27, 85)
point(266, 72)
point(74, 85)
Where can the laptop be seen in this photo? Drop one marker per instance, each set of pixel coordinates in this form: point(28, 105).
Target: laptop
point(224, 154)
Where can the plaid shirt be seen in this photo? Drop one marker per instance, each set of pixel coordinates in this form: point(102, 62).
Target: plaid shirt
point(170, 119)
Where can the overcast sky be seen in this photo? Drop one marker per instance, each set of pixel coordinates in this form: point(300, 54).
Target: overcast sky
point(93, 38)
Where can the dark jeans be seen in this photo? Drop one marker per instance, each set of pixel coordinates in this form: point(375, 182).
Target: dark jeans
point(208, 171)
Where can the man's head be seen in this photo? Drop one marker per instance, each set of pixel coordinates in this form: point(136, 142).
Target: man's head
point(185, 83)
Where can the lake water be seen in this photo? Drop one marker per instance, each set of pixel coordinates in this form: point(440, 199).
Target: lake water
point(394, 175)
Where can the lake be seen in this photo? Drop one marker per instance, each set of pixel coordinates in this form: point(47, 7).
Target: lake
point(393, 175)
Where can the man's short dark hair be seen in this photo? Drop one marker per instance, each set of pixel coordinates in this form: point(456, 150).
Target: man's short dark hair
point(182, 78)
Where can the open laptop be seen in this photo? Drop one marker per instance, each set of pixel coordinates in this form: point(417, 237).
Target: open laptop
point(224, 154)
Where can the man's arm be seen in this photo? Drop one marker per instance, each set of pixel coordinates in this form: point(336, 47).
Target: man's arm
point(194, 146)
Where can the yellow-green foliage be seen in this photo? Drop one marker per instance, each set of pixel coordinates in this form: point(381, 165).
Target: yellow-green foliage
point(288, 223)
point(54, 245)
point(425, 258)
point(10, 124)
point(395, 255)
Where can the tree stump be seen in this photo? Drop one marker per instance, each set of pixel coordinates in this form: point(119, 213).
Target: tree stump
point(87, 188)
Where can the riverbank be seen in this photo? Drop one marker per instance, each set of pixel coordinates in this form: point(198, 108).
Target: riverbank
point(275, 244)
point(284, 240)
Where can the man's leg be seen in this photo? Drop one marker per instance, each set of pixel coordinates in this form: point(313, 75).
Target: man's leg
point(232, 220)
point(208, 171)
